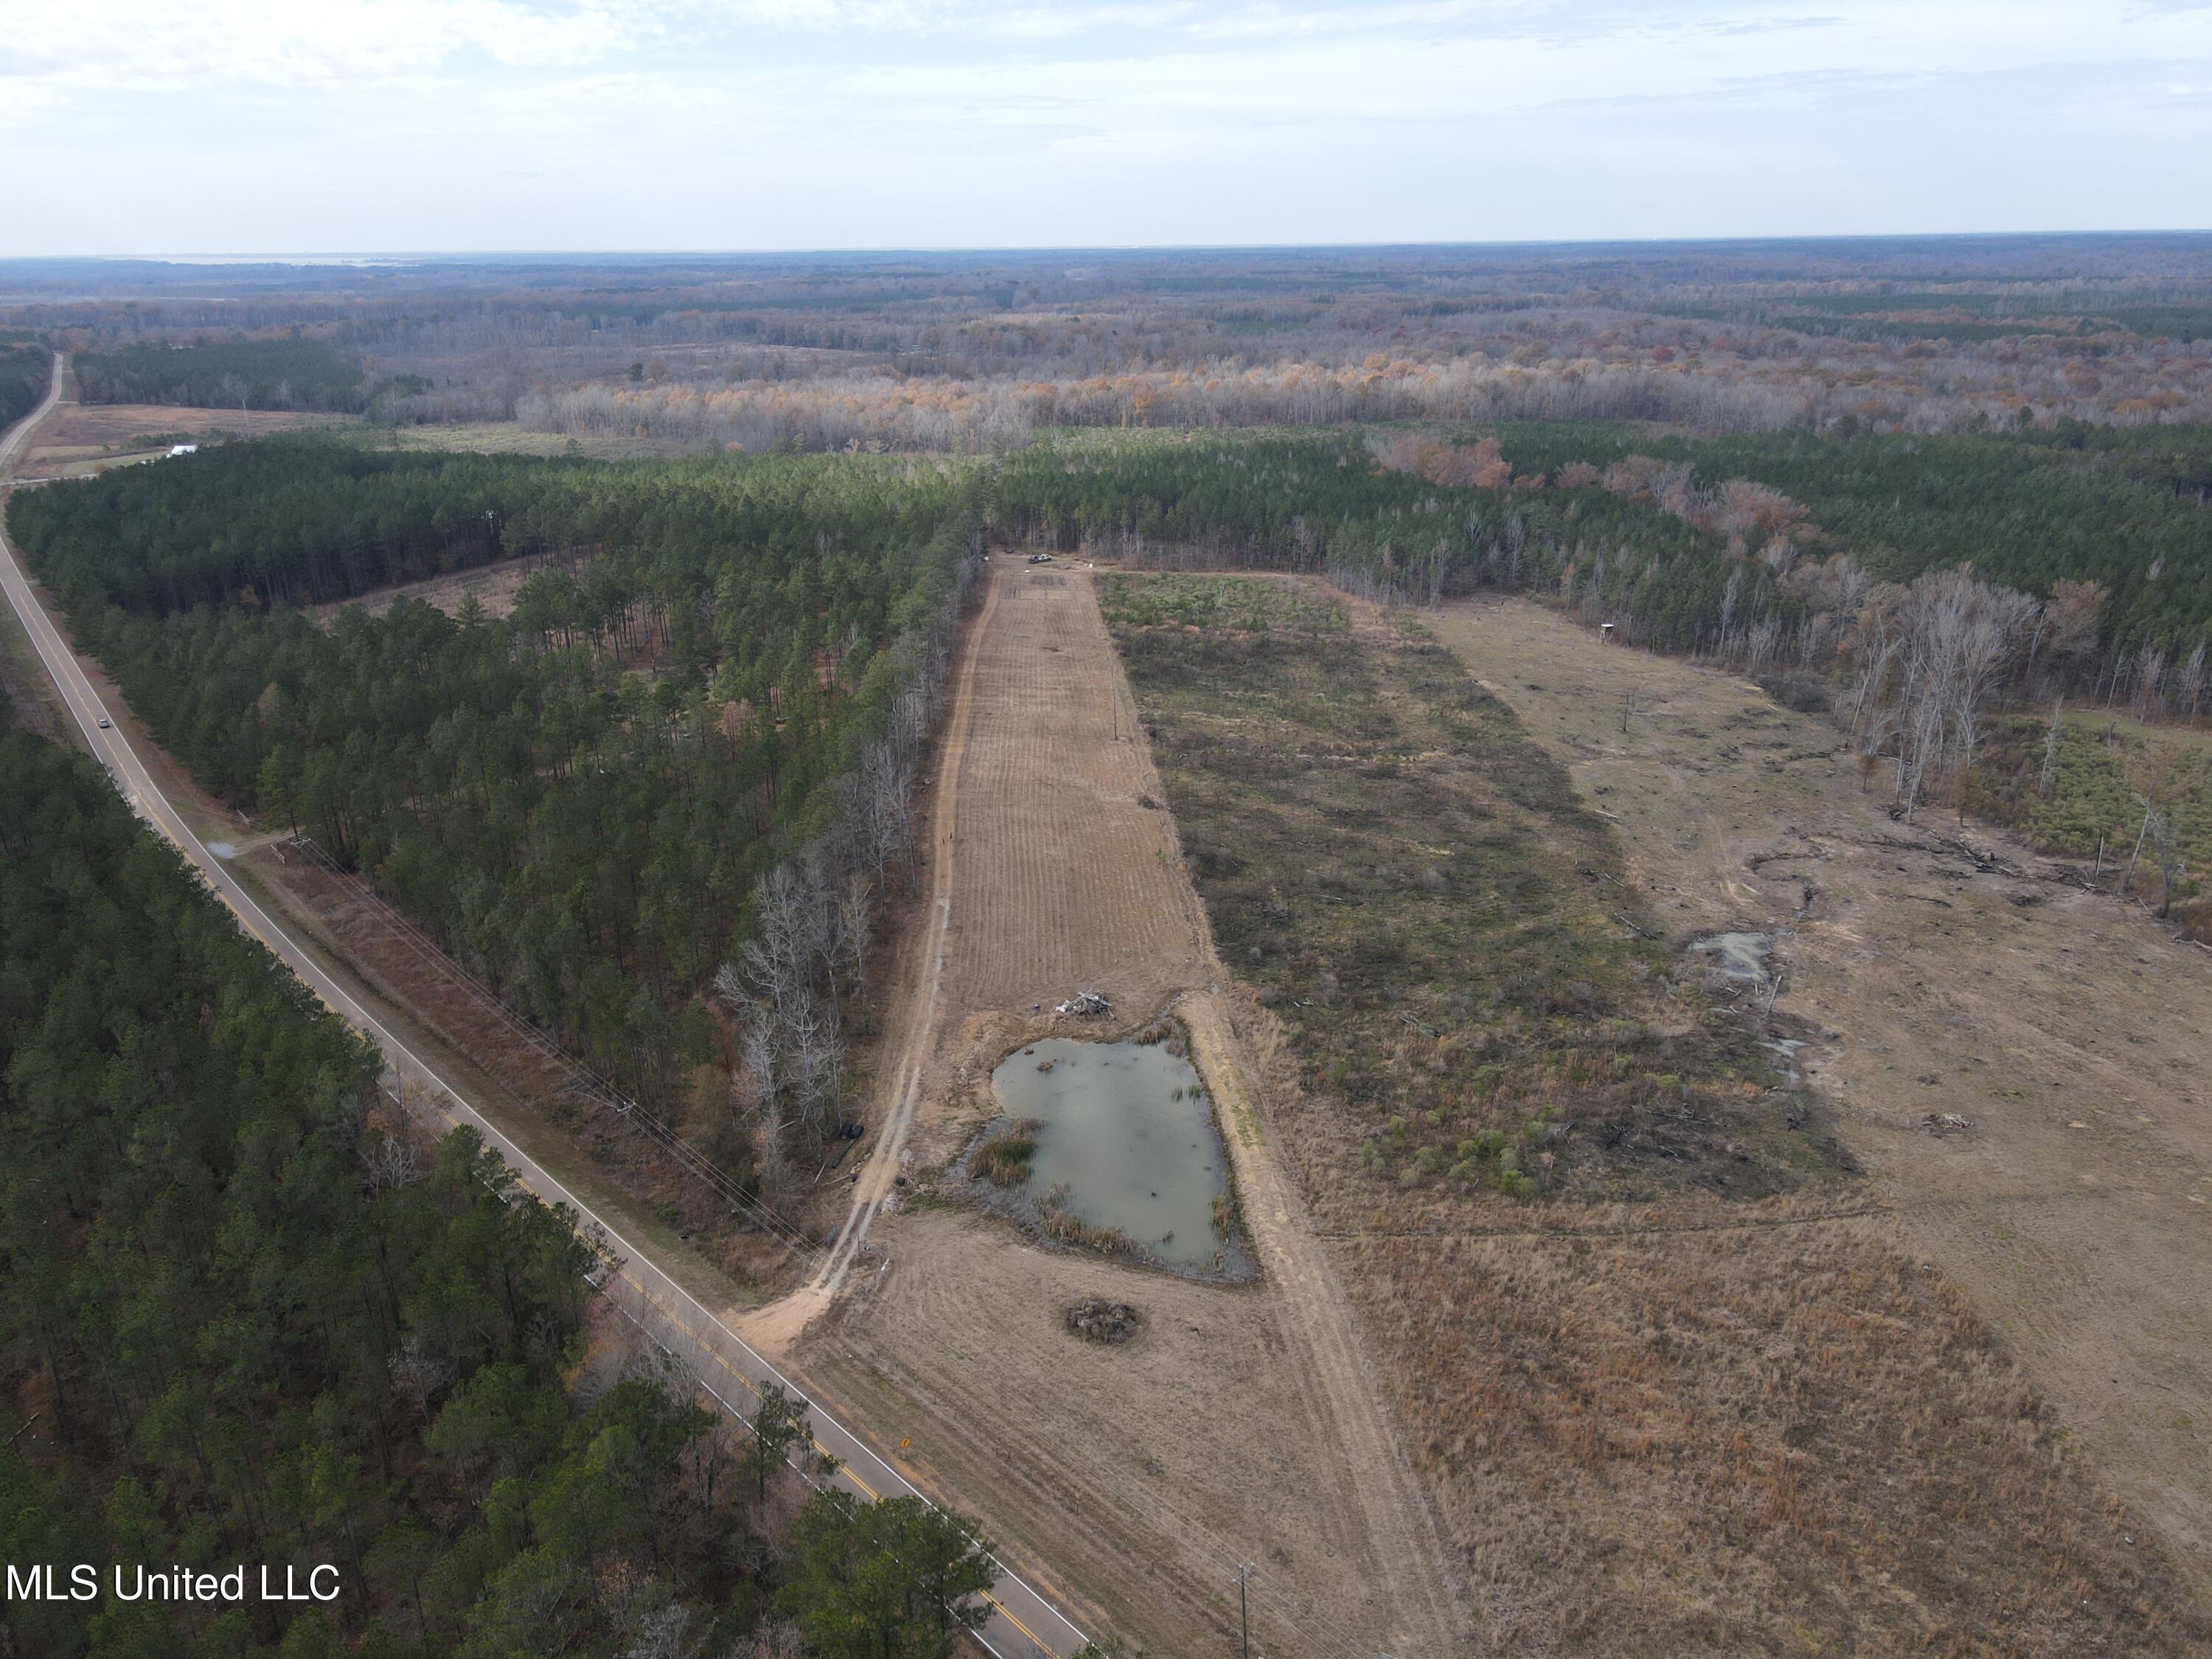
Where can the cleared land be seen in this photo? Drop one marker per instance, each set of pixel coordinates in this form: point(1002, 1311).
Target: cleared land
point(1067, 880)
point(1240, 1426)
point(1694, 1392)
point(504, 438)
point(2077, 1213)
point(494, 587)
point(83, 438)
point(2087, 791)
point(513, 438)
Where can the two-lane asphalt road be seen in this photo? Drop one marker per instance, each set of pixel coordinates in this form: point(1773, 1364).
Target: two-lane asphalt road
point(1023, 1624)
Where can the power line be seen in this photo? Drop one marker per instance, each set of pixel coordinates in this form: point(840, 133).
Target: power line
point(1160, 1513)
point(586, 1082)
point(1196, 1538)
point(791, 1460)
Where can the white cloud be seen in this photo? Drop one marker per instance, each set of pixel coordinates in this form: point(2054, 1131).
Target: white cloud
point(690, 122)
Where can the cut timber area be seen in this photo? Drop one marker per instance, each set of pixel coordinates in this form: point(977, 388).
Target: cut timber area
point(83, 439)
point(2065, 1029)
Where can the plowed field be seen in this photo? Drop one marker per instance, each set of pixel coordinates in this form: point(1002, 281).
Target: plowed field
point(1065, 878)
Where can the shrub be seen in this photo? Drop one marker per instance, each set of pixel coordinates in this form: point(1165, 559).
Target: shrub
point(1004, 1158)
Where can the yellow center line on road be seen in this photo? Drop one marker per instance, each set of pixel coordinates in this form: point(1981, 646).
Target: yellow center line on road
point(1008, 1616)
point(713, 1352)
point(843, 1467)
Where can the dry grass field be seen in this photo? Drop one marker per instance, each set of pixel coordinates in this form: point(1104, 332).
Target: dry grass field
point(1241, 1425)
point(81, 438)
point(501, 438)
point(2075, 1214)
point(1687, 1388)
point(513, 438)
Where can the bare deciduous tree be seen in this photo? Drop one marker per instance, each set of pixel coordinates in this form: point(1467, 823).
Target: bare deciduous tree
point(2189, 683)
point(814, 915)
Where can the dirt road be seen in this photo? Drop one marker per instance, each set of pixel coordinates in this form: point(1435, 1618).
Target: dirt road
point(914, 1022)
point(1023, 1624)
point(2067, 1030)
point(1242, 1425)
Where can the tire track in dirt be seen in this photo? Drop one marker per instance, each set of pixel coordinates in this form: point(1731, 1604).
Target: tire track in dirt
point(1401, 1529)
point(917, 1015)
point(1067, 881)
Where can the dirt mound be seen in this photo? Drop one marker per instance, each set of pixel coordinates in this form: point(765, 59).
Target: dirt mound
point(1097, 1320)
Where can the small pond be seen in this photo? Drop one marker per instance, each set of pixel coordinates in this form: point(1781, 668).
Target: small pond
point(1128, 1134)
point(1740, 956)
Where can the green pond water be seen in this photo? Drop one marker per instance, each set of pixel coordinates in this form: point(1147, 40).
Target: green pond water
point(1127, 1129)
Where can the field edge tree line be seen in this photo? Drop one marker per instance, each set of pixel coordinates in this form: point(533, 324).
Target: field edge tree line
point(1916, 657)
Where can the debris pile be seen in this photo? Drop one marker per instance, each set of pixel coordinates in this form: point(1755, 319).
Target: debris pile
point(1087, 1005)
point(1940, 1124)
point(1096, 1320)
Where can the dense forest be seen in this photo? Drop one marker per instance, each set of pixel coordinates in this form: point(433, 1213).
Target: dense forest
point(1320, 501)
point(26, 371)
point(1660, 523)
point(650, 773)
point(584, 795)
point(976, 350)
point(280, 373)
point(2123, 508)
point(251, 1316)
point(578, 798)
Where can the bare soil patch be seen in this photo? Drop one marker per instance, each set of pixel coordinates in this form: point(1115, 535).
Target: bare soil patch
point(1138, 1474)
point(2075, 1213)
point(1064, 881)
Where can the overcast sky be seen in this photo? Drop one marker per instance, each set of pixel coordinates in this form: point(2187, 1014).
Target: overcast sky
point(159, 127)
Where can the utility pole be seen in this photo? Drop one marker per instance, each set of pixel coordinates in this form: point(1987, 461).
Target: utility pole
point(1244, 1612)
point(2149, 813)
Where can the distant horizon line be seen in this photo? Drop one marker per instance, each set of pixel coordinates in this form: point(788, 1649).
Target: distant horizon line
point(339, 257)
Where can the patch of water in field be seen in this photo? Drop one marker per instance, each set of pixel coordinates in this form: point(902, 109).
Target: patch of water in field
point(1129, 1134)
point(1742, 955)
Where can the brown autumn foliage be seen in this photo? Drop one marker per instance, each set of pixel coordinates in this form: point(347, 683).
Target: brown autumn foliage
point(945, 352)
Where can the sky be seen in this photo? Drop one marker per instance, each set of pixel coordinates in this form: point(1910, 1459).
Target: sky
point(152, 127)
